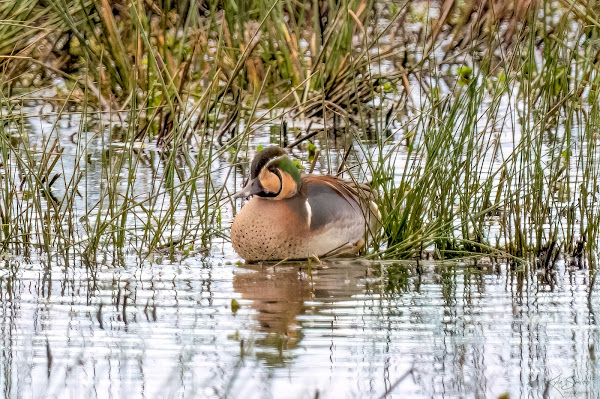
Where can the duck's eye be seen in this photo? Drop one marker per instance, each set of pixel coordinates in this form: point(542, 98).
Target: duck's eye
point(275, 171)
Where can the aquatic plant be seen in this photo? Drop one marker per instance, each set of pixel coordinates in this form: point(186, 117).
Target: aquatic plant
point(482, 143)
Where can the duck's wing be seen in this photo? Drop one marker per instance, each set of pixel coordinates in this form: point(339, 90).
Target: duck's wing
point(334, 201)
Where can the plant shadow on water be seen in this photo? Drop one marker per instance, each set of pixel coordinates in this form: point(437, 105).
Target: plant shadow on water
point(478, 128)
point(345, 328)
point(463, 327)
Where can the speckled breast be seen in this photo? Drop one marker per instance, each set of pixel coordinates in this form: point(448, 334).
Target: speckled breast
point(267, 229)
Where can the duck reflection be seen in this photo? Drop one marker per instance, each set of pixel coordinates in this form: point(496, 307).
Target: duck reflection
point(278, 294)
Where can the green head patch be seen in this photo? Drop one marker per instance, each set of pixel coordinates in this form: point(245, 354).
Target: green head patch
point(286, 165)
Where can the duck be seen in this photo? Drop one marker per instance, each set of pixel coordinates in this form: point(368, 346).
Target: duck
point(293, 216)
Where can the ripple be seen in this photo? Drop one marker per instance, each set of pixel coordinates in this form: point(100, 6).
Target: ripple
point(170, 329)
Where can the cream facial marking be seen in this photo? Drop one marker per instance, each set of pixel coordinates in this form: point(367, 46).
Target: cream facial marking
point(270, 181)
point(289, 188)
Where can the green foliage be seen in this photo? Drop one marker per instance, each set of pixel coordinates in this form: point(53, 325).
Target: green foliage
point(234, 305)
point(197, 83)
point(464, 75)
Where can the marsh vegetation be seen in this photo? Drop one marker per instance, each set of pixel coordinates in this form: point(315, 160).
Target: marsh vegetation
point(478, 126)
point(127, 125)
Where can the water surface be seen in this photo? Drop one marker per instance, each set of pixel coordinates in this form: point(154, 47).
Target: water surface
point(151, 326)
point(337, 329)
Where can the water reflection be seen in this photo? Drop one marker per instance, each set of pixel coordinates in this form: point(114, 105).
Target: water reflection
point(342, 329)
point(278, 294)
point(345, 328)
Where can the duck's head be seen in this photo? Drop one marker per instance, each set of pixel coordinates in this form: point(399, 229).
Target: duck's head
point(272, 175)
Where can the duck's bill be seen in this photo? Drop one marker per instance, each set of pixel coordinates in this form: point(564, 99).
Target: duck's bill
point(252, 187)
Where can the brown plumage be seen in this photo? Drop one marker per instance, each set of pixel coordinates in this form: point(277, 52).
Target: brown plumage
point(314, 215)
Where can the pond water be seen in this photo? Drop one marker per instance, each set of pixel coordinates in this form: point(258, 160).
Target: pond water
point(338, 329)
point(209, 326)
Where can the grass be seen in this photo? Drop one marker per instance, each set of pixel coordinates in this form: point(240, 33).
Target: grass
point(124, 126)
point(480, 145)
point(459, 192)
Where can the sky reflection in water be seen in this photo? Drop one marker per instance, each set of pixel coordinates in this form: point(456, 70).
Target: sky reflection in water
point(339, 329)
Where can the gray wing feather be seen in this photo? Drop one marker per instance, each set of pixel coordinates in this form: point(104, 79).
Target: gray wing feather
point(321, 196)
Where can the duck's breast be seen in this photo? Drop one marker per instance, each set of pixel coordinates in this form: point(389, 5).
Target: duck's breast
point(267, 229)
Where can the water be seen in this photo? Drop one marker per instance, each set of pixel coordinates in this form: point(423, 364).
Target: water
point(339, 329)
point(346, 328)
